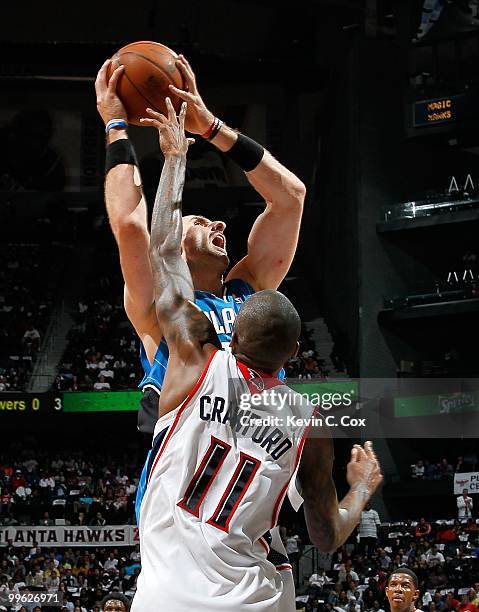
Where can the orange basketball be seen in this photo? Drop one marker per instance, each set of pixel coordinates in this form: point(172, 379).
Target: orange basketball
point(149, 69)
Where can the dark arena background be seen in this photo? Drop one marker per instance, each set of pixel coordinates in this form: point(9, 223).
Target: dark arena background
point(374, 104)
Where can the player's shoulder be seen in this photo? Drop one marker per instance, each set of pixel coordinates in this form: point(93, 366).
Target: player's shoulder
point(238, 288)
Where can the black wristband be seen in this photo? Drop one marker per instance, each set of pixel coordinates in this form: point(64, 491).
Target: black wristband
point(119, 152)
point(246, 153)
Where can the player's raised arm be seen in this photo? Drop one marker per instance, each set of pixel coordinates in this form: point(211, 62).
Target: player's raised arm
point(189, 334)
point(274, 237)
point(127, 211)
point(331, 522)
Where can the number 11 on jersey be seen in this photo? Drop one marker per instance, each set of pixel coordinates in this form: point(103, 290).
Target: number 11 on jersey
point(204, 476)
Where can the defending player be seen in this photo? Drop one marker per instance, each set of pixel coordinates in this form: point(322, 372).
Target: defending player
point(216, 480)
point(402, 590)
point(271, 243)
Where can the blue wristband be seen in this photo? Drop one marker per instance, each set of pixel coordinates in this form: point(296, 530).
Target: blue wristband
point(113, 123)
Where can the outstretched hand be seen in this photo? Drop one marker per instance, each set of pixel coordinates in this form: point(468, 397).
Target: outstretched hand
point(171, 129)
point(108, 103)
point(198, 117)
point(364, 471)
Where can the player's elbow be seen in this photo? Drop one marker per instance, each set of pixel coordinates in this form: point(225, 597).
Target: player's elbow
point(164, 251)
point(326, 542)
point(127, 227)
point(297, 191)
point(323, 528)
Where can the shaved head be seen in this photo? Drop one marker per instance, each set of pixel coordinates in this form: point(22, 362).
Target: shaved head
point(266, 330)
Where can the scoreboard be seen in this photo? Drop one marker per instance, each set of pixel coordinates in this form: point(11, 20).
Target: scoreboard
point(29, 403)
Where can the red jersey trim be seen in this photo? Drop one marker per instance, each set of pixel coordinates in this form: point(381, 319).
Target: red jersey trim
point(182, 408)
point(264, 381)
point(264, 544)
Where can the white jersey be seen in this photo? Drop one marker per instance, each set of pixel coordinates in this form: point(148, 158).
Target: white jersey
point(218, 473)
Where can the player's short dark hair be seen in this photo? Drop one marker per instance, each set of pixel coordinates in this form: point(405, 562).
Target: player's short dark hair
point(116, 596)
point(405, 570)
point(267, 328)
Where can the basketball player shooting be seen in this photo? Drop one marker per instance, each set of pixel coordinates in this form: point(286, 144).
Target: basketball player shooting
point(215, 479)
point(271, 244)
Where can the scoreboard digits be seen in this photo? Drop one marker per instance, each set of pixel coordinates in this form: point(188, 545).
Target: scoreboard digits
point(30, 403)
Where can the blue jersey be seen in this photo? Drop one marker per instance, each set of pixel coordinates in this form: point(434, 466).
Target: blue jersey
point(221, 311)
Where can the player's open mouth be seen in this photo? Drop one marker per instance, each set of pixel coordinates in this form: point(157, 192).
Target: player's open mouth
point(219, 241)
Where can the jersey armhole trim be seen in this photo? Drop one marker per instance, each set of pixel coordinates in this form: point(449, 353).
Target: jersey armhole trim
point(285, 488)
point(191, 394)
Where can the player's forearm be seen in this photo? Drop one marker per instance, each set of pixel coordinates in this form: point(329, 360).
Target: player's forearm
point(331, 523)
point(172, 278)
point(166, 221)
point(274, 182)
point(277, 184)
point(125, 202)
point(349, 511)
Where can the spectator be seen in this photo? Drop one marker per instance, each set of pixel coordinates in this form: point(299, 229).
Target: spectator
point(466, 604)
point(445, 470)
point(464, 505)
point(430, 470)
point(46, 521)
point(98, 521)
point(417, 469)
point(319, 580)
point(423, 528)
point(384, 560)
point(111, 564)
point(102, 384)
point(368, 530)
point(434, 557)
point(292, 546)
point(31, 338)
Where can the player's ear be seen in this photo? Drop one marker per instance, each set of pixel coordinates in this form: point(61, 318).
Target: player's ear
point(234, 341)
point(296, 349)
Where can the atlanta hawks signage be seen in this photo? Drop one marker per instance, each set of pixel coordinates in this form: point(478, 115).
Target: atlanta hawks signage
point(117, 535)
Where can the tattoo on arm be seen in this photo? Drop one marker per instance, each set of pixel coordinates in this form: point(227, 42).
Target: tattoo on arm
point(172, 278)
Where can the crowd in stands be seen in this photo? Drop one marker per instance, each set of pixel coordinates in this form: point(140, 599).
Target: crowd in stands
point(103, 348)
point(103, 352)
point(426, 469)
point(82, 576)
point(69, 487)
point(96, 487)
point(28, 284)
point(444, 555)
point(307, 363)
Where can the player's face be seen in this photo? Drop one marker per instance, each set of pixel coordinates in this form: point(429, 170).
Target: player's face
point(203, 240)
point(401, 592)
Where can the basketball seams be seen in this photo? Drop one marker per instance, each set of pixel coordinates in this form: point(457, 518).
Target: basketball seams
point(146, 58)
point(164, 75)
point(149, 43)
point(149, 102)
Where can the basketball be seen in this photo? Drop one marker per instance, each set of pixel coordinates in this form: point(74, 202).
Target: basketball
point(149, 69)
